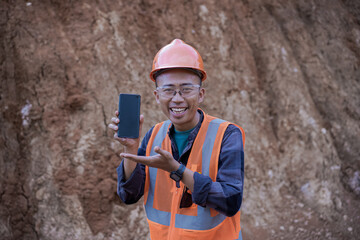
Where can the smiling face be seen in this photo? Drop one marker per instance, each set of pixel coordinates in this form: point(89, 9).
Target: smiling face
point(182, 111)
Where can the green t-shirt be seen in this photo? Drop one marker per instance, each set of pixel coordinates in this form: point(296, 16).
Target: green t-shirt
point(181, 139)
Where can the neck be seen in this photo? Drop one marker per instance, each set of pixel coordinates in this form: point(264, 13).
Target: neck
point(189, 125)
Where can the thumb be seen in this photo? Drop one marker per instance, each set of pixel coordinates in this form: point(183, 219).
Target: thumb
point(141, 122)
point(162, 152)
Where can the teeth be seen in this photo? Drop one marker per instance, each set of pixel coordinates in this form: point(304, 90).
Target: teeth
point(178, 110)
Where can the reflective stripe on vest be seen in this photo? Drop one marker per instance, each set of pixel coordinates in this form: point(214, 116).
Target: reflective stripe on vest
point(152, 213)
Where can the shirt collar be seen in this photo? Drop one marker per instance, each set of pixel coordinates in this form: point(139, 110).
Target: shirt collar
point(194, 131)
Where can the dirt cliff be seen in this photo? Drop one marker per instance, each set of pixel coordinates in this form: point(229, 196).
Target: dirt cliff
point(286, 71)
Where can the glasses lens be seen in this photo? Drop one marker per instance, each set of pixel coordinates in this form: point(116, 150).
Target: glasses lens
point(187, 91)
point(167, 91)
point(184, 91)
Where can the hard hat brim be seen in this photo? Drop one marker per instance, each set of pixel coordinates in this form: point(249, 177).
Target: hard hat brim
point(156, 72)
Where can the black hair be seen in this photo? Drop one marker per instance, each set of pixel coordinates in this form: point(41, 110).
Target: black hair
point(197, 72)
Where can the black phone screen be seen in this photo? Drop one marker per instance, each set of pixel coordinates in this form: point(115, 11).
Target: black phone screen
point(129, 115)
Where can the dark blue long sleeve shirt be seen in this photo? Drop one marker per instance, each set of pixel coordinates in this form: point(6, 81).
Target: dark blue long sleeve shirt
point(224, 195)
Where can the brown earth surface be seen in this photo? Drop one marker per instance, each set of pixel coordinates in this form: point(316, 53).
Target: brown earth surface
point(286, 71)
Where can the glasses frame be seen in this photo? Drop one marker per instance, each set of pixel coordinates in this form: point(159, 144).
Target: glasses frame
point(177, 90)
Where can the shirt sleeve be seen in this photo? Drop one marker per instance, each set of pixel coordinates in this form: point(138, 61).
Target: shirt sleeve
point(224, 195)
point(131, 190)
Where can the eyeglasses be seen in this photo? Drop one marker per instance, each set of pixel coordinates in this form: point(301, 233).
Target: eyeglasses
point(184, 91)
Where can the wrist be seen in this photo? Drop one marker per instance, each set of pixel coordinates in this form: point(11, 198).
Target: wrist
point(178, 174)
point(130, 150)
point(175, 166)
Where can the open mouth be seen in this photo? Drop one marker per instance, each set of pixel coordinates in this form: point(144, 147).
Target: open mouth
point(178, 111)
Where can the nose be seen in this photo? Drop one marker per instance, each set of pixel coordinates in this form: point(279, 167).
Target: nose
point(177, 97)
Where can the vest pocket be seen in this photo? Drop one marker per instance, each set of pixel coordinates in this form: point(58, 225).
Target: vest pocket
point(187, 207)
point(158, 231)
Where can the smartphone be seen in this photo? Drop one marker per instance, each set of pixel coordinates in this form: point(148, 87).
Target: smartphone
point(129, 115)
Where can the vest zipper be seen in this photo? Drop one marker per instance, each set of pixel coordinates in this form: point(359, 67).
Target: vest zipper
point(176, 206)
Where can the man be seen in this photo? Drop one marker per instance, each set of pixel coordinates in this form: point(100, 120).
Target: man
point(190, 168)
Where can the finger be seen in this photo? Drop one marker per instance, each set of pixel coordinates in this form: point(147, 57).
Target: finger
point(162, 152)
point(141, 123)
point(116, 136)
point(123, 141)
point(136, 158)
point(113, 127)
point(115, 120)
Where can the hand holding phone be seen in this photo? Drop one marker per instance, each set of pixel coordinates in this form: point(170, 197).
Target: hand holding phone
point(129, 115)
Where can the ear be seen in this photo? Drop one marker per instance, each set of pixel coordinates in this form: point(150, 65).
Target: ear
point(201, 95)
point(156, 96)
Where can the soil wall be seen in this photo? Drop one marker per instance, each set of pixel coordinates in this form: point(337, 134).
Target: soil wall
point(286, 71)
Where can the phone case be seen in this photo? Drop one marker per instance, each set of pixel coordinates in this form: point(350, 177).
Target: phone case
point(129, 115)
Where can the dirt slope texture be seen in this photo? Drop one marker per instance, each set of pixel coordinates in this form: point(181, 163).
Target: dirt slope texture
point(286, 71)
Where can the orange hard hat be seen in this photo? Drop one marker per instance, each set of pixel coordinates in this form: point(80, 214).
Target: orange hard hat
point(178, 54)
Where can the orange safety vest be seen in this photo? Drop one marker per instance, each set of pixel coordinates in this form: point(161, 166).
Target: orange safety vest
point(162, 198)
